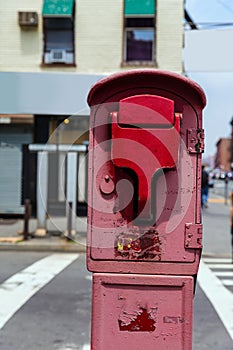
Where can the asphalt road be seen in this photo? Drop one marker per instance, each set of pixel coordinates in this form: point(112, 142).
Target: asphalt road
point(45, 298)
point(57, 316)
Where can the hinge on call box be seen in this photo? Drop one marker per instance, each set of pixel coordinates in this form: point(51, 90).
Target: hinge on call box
point(195, 140)
point(193, 236)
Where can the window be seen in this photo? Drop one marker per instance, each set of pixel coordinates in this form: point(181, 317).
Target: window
point(139, 31)
point(58, 24)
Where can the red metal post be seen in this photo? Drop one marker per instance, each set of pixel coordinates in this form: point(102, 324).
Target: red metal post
point(144, 218)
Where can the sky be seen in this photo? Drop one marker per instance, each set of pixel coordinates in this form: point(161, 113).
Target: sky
point(208, 59)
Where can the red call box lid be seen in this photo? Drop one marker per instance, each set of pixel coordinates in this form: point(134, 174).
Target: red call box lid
point(109, 88)
point(146, 110)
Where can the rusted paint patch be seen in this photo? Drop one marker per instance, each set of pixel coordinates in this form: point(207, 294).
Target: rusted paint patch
point(135, 245)
point(140, 321)
point(195, 140)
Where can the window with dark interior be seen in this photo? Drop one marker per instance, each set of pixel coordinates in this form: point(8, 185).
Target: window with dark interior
point(58, 26)
point(139, 31)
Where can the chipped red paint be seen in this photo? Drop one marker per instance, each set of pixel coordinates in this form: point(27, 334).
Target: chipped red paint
point(146, 245)
point(142, 311)
point(142, 323)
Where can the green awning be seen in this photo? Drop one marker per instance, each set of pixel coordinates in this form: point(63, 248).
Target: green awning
point(61, 8)
point(139, 7)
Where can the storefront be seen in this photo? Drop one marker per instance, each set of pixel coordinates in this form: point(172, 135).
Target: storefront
point(55, 112)
point(14, 132)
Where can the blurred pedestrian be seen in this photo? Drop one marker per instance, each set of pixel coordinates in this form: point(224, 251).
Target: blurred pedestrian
point(204, 187)
point(231, 220)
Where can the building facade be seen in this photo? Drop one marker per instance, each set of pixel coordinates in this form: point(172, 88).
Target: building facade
point(52, 52)
point(223, 154)
point(91, 36)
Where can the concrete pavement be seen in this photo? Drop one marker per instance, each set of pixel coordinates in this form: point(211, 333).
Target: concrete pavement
point(216, 227)
point(216, 237)
point(55, 240)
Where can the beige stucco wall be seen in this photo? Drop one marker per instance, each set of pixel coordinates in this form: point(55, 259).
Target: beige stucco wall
point(98, 38)
point(99, 35)
point(21, 50)
point(169, 44)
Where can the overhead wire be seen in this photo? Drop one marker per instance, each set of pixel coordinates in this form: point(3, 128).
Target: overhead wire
point(214, 24)
point(211, 25)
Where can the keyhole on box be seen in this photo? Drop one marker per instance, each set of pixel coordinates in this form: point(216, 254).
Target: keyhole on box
point(107, 178)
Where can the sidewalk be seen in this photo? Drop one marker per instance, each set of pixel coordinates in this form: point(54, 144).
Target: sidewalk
point(216, 232)
point(55, 240)
point(216, 228)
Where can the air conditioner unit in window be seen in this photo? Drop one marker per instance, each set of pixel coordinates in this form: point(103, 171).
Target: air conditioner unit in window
point(28, 19)
point(58, 56)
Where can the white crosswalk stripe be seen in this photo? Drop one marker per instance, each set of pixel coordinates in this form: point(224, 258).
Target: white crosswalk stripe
point(222, 268)
point(217, 260)
point(220, 297)
point(19, 288)
point(86, 347)
point(89, 277)
point(224, 273)
point(227, 282)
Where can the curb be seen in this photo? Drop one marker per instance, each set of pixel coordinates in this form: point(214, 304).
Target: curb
point(61, 249)
point(43, 247)
point(214, 255)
